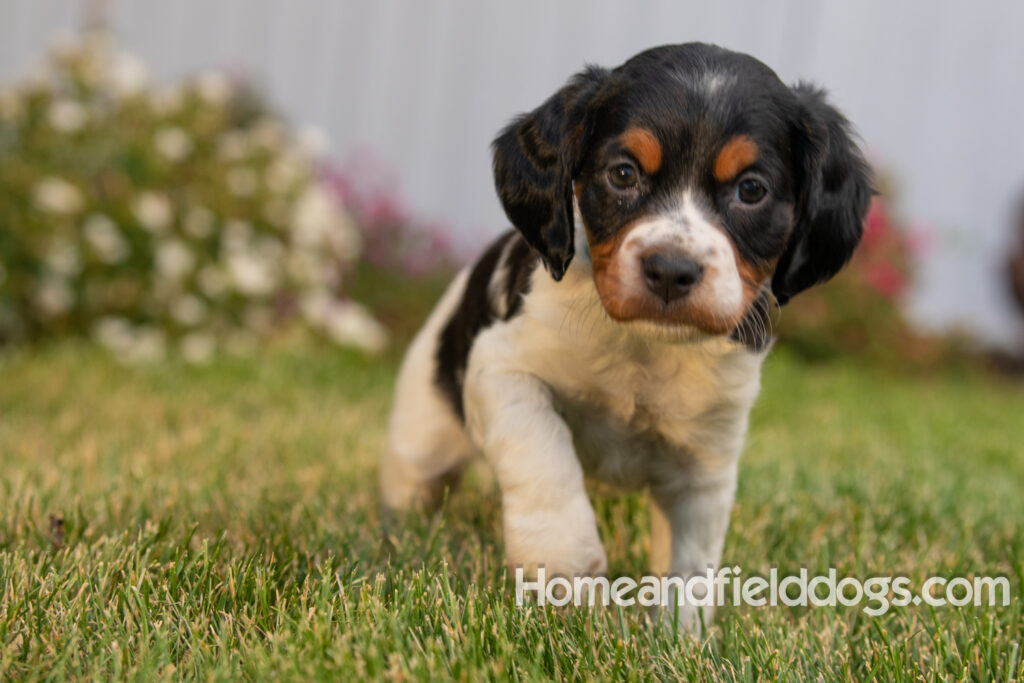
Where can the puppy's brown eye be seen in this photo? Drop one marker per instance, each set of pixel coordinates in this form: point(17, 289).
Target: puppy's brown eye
point(623, 176)
point(751, 191)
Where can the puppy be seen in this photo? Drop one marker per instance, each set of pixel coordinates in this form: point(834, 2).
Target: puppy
point(661, 210)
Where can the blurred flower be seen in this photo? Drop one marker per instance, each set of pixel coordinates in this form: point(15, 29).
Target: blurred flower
point(197, 347)
point(105, 239)
point(153, 211)
point(66, 116)
point(53, 297)
point(173, 143)
point(269, 134)
point(251, 275)
point(62, 258)
point(242, 181)
point(214, 87)
point(127, 75)
point(212, 282)
point(282, 174)
point(168, 101)
point(113, 333)
point(199, 222)
point(188, 310)
point(236, 236)
point(57, 195)
point(886, 279)
point(233, 145)
point(317, 222)
point(346, 322)
point(174, 260)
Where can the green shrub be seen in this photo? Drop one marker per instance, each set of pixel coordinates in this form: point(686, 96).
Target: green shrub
point(188, 217)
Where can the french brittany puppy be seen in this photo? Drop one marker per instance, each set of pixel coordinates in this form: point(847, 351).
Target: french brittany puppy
point(662, 209)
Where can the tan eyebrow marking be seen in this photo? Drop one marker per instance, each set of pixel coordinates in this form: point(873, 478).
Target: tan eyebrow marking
point(644, 146)
point(735, 155)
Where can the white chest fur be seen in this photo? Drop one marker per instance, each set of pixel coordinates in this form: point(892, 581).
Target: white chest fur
point(634, 402)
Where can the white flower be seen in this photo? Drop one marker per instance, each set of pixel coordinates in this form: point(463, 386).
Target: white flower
point(114, 334)
point(318, 221)
point(153, 211)
point(211, 282)
point(173, 143)
point(345, 322)
point(282, 174)
point(233, 145)
point(174, 259)
point(306, 267)
point(167, 101)
point(66, 116)
point(128, 75)
point(214, 87)
point(53, 297)
point(199, 222)
point(56, 195)
point(268, 133)
point(251, 275)
point(242, 181)
point(197, 347)
point(188, 310)
point(105, 239)
point(236, 235)
point(62, 258)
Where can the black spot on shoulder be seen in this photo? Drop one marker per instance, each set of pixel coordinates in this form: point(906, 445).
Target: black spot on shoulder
point(520, 263)
point(509, 255)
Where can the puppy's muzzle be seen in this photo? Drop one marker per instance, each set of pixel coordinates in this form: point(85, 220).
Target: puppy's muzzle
point(670, 275)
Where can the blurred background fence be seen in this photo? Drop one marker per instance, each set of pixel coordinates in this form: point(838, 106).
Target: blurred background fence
point(409, 95)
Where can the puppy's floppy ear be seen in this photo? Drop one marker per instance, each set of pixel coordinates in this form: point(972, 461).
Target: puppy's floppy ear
point(535, 160)
point(833, 192)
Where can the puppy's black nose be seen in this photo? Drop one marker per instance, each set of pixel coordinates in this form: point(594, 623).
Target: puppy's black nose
point(671, 275)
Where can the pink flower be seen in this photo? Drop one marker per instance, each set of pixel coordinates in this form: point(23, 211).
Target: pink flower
point(886, 279)
point(876, 225)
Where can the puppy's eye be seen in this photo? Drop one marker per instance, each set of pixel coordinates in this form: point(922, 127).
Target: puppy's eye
point(623, 176)
point(751, 191)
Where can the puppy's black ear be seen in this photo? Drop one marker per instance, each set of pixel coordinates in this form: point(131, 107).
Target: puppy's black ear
point(535, 160)
point(833, 192)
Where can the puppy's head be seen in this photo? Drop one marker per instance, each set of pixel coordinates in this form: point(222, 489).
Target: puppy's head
point(703, 182)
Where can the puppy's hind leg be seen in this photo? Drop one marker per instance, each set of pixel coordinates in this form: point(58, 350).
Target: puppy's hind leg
point(426, 451)
point(427, 445)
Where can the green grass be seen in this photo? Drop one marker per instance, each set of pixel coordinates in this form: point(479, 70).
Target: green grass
point(221, 522)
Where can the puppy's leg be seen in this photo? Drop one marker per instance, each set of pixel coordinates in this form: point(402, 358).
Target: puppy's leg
point(696, 509)
point(548, 518)
point(427, 444)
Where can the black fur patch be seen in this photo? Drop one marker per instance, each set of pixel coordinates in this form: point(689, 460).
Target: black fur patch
point(477, 311)
point(519, 265)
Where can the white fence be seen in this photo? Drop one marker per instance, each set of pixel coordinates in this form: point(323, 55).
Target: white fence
point(934, 87)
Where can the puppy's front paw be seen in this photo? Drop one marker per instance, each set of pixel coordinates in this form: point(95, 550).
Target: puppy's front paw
point(564, 541)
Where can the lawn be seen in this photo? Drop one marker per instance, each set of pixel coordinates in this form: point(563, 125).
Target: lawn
point(221, 522)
